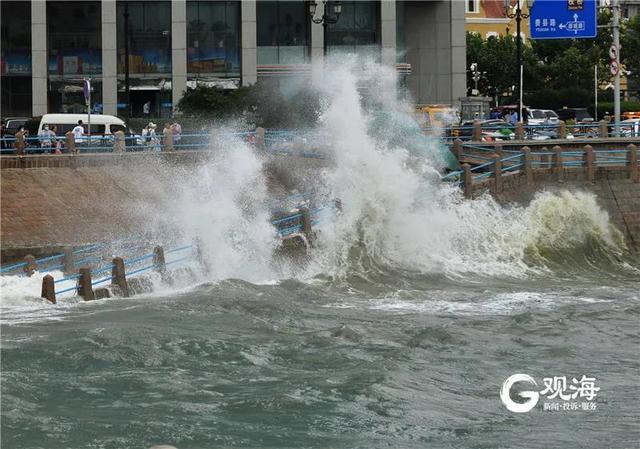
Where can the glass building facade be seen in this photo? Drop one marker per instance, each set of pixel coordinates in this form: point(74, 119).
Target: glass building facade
point(283, 29)
point(16, 58)
point(357, 30)
point(146, 27)
point(74, 52)
point(213, 40)
point(223, 43)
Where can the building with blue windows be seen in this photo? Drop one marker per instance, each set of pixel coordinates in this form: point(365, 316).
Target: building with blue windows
point(149, 52)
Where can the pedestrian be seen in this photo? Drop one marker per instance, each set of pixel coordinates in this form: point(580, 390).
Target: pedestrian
point(167, 137)
point(47, 139)
point(154, 141)
point(146, 109)
point(513, 119)
point(176, 129)
point(145, 134)
point(78, 133)
point(21, 136)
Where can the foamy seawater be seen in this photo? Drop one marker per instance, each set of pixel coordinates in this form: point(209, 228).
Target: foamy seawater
point(397, 329)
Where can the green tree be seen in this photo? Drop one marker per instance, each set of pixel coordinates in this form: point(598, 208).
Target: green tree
point(630, 51)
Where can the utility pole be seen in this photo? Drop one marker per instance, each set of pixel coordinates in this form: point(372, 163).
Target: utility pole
point(616, 44)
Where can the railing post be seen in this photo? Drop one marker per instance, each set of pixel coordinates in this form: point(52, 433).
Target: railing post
point(497, 148)
point(632, 159)
point(557, 162)
point(468, 181)
point(85, 289)
point(497, 174)
point(158, 260)
point(70, 143)
point(604, 128)
point(306, 223)
point(528, 166)
point(544, 158)
point(589, 163)
point(260, 142)
point(519, 131)
point(119, 276)
point(67, 260)
point(477, 130)
point(457, 148)
point(31, 266)
point(48, 289)
point(562, 129)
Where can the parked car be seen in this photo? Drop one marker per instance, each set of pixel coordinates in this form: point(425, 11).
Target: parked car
point(580, 115)
point(13, 124)
point(542, 117)
point(630, 127)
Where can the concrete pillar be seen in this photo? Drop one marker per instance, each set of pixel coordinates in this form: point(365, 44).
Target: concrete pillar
point(457, 149)
point(249, 42)
point(633, 163)
point(497, 173)
point(467, 179)
point(39, 77)
point(528, 166)
point(178, 50)
point(119, 276)
point(85, 289)
point(589, 159)
point(67, 260)
point(109, 58)
point(557, 162)
point(31, 265)
point(603, 129)
point(477, 130)
point(388, 32)
point(519, 131)
point(48, 289)
point(562, 129)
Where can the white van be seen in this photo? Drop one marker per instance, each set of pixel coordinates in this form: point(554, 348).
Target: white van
point(101, 125)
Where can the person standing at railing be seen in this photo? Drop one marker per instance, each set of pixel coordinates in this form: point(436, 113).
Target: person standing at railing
point(21, 136)
point(2, 134)
point(167, 137)
point(78, 134)
point(152, 137)
point(47, 139)
point(176, 129)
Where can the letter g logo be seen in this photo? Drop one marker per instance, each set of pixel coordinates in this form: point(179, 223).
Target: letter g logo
point(532, 396)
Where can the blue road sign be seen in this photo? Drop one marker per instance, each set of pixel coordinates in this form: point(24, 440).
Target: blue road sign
point(563, 19)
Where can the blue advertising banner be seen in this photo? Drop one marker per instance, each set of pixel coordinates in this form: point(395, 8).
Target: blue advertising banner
point(563, 19)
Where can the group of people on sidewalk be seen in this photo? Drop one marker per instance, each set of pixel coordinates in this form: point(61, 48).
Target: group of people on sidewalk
point(51, 143)
point(171, 135)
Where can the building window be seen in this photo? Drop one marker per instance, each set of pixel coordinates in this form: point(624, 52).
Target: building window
point(283, 32)
point(74, 53)
point(357, 30)
point(213, 39)
point(148, 55)
point(16, 58)
point(472, 6)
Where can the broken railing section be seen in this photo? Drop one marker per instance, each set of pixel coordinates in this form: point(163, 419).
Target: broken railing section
point(118, 273)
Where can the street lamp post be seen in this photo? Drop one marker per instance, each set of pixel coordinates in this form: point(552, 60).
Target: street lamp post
point(126, 59)
point(326, 18)
point(517, 14)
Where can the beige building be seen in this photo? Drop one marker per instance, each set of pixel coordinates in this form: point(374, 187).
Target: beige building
point(488, 18)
